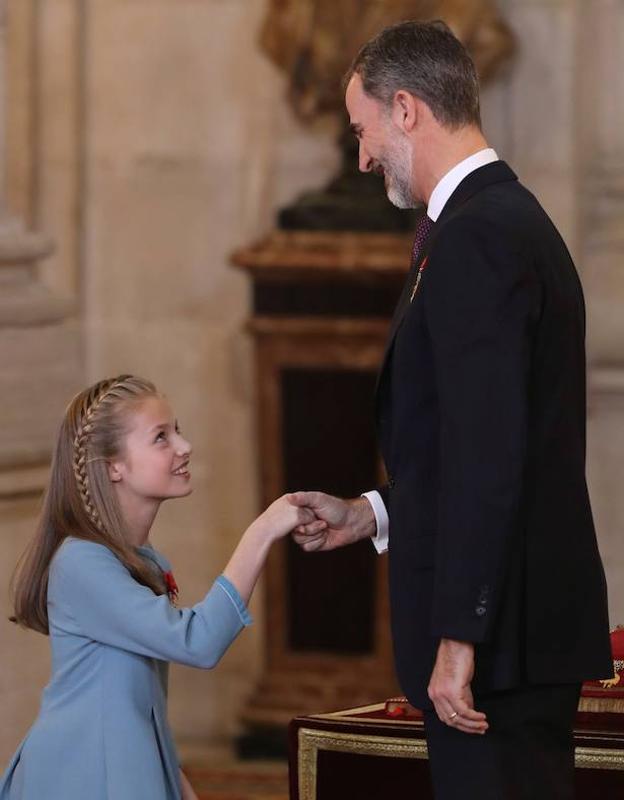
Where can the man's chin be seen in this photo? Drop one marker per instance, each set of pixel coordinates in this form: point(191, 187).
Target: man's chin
point(399, 200)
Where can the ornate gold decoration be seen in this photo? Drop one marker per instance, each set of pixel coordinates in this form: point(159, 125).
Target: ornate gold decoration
point(314, 41)
point(598, 758)
point(602, 705)
point(610, 683)
point(312, 740)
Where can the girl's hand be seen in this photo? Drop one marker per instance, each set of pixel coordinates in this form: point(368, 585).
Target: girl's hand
point(283, 516)
point(280, 518)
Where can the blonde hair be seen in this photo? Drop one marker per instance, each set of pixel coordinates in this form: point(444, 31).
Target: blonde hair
point(80, 500)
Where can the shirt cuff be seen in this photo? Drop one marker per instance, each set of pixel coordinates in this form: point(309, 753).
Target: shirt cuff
point(238, 602)
point(380, 540)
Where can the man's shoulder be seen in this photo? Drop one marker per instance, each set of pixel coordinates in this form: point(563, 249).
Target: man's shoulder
point(475, 223)
point(505, 211)
point(478, 252)
point(497, 199)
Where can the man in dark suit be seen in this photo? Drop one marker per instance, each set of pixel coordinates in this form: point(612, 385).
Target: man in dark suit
point(498, 596)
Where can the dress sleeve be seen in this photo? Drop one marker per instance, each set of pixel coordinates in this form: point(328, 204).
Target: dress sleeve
point(98, 596)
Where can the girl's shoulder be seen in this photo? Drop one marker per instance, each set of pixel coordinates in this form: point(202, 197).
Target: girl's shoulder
point(150, 552)
point(73, 547)
point(74, 552)
point(76, 545)
point(76, 555)
point(81, 566)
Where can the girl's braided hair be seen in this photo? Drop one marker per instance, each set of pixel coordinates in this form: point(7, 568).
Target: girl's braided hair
point(92, 402)
point(80, 500)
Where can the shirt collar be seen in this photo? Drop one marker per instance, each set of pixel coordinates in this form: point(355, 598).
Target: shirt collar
point(447, 185)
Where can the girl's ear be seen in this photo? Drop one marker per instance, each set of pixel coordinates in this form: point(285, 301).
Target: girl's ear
point(114, 472)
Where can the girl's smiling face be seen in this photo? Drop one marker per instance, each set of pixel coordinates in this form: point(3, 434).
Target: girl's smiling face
point(153, 465)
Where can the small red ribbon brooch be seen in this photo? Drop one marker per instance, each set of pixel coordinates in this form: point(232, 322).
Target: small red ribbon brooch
point(172, 587)
point(420, 272)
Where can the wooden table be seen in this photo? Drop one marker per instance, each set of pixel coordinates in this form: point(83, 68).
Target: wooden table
point(365, 754)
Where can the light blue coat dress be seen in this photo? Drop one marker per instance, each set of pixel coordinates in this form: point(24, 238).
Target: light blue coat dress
point(102, 732)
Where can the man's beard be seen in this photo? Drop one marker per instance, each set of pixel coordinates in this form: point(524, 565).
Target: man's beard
point(397, 176)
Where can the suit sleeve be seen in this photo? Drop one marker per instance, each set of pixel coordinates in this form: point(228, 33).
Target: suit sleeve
point(480, 297)
point(102, 601)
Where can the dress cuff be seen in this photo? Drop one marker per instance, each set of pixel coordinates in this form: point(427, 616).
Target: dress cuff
point(238, 602)
point(380, 540)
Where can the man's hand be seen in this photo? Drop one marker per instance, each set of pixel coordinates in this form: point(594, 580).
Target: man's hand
point(346, 521)
point(449, 687)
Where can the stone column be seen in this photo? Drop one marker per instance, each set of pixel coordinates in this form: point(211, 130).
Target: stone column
point(601, 122)
point(558, 117)
point(39, 355)
point(37, 349)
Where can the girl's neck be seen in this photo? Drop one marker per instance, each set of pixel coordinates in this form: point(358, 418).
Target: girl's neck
point(138, 520)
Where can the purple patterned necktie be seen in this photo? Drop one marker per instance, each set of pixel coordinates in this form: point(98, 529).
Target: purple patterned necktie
point(423, 229)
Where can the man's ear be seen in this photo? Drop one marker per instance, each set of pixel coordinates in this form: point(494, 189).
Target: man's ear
point(405, 110)
point(114, 471)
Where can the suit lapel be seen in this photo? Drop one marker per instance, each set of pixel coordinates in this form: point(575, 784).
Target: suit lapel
point(496, 172)
point(404, 299)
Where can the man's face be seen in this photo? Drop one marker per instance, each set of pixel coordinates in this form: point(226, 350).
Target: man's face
point(383, 148)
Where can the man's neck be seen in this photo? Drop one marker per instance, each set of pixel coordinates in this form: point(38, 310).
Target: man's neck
point(445, 151)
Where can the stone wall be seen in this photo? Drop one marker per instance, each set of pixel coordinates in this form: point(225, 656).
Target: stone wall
point(162, 144)
point(555, 117)
point(39, 347)
point(149, 139)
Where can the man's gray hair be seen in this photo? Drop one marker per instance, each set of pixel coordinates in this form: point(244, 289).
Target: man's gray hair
point(426, 60)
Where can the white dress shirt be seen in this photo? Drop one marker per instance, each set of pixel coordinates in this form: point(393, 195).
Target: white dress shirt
point(439, 197)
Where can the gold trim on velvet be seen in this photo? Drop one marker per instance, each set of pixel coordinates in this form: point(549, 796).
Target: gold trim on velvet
point(598, 758)
point(311, 741)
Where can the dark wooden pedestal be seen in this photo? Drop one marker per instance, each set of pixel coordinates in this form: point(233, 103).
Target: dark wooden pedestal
point(364, 753)
point(321, 310)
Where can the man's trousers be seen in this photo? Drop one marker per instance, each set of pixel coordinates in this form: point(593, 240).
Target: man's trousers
point(526, 754)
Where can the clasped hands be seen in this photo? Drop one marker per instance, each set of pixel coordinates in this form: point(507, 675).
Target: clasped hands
point(342, 522)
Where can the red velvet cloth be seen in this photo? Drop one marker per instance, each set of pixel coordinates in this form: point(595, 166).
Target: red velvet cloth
point(613, 685)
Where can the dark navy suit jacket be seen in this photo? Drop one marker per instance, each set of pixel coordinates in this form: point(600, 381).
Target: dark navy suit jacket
point(481, 421)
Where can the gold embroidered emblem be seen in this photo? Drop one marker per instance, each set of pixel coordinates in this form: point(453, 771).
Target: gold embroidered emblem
point(418, 277)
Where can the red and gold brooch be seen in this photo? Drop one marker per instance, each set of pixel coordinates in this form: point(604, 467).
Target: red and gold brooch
point(418, 277)
point(172, 587)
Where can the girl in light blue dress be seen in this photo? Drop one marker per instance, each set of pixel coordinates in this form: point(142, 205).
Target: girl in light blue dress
point(91, 580)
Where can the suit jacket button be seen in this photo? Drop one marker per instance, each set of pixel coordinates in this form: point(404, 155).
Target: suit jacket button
point(390, 482)
point(480, 611)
